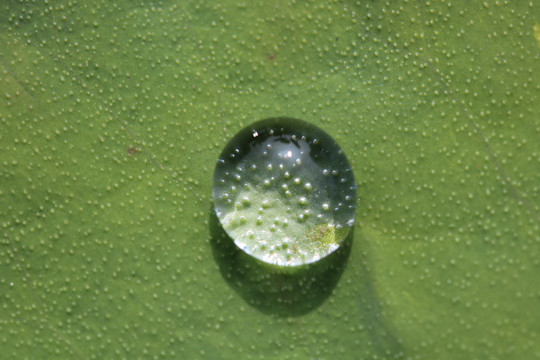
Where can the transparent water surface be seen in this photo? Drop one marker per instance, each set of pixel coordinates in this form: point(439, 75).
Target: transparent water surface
point(284, 191)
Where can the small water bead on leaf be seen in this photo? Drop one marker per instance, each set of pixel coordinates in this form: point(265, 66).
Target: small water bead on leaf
point(284, 192)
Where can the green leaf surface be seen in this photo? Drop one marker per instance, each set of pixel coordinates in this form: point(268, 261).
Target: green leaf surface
point(112, 114)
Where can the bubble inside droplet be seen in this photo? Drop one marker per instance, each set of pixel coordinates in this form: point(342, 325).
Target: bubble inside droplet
point(273, 194)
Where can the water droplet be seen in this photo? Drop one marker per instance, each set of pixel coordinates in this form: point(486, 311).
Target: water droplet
point(273, 194)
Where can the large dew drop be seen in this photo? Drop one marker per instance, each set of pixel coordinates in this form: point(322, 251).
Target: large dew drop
point(284, 192)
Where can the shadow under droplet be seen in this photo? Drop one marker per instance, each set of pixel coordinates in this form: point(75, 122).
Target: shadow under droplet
point(272, 289)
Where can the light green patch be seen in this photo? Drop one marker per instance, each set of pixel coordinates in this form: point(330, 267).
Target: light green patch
point(267, 226)
point(327, 235)
point(537, 33)
point(323, 233)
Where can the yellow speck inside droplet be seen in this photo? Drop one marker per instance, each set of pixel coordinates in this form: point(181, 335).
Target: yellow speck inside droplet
point(536, 29)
